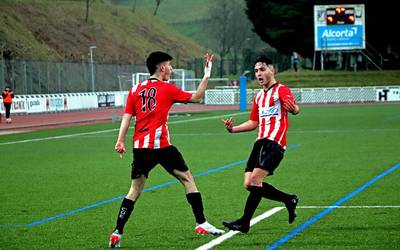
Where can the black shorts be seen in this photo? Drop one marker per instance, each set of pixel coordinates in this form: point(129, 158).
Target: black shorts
point(144, 160)
point(266, 154)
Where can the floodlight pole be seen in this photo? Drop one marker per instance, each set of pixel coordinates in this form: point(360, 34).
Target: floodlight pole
point(91, 63)
point(183, 80)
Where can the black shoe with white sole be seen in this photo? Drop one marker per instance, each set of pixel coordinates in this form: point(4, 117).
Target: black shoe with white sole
point(291, 208)
point(237, 225)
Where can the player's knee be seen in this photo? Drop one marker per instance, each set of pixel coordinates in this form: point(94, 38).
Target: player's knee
point(183, 178)
point(133, 194)
point(247, 185)
point(255, 181)
point(187, 182)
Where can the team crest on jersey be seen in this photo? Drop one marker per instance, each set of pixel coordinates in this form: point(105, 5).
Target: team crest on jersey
point(269, 111)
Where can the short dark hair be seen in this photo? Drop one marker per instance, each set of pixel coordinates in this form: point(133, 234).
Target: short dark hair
point(156, 58)
point(264, 59)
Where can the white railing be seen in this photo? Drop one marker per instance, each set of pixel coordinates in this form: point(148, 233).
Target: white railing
point(313, 95)
point(65, 102)
point(223, 96)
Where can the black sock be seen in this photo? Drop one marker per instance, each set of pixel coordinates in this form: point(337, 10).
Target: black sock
point(252, 202)
point(270, 192)
point(124, 213)
point(196, 202)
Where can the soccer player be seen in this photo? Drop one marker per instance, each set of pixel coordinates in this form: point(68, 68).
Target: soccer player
point(150, 102)
point(270, 114)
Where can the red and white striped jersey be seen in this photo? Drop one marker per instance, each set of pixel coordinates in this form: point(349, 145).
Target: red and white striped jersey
point(268, 111)
point(150, 101)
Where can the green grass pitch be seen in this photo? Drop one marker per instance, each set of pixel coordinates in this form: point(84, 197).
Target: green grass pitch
point(333, 150)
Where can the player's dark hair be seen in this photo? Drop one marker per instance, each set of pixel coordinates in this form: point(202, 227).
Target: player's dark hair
point(264, 59)
point(156, 58)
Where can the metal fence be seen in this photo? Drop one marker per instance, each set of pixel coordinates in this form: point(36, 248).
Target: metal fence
point(35, 77)
point(313, 95)
point(32, 77)
point(336, 95)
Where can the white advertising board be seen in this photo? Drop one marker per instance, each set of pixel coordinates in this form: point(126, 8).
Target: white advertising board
point(388, 94)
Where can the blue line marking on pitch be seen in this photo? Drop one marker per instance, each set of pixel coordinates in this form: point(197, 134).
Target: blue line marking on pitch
point(330, 209)
point(12, 225)
point(213, 170)
point(391, 118)
point(73, 211)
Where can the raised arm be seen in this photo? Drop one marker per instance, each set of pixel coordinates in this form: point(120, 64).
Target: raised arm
point(244, 127)
point(196, 97)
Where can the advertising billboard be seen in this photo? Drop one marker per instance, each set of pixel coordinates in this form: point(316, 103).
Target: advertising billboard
point(339, 27)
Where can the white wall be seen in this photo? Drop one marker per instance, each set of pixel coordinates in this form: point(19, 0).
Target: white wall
point(65, 102)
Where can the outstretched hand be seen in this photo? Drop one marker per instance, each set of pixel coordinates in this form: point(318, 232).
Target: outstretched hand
point(208, 64)
point(228, 124)
point(291, 107)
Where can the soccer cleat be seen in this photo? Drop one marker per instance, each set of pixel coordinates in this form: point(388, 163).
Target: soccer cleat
point(207, 228)
point(114, 240)
point(237, 225)
point(8, 120)
point(291, 208)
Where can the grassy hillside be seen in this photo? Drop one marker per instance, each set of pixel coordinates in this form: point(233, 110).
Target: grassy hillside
point(49, 29)
point(189, 17)
point(56, 30)
point(172, 11)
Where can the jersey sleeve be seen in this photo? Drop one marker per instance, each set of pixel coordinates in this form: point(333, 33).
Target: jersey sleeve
point(179, 95)
point(130, 107)
point(285, 94)
point(254, 111)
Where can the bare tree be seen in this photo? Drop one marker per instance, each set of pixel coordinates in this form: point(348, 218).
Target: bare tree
point(230, 28)
point(134, 6)
point(88, 3)
point(220, 17)
point(158, 2)
point(241, 31)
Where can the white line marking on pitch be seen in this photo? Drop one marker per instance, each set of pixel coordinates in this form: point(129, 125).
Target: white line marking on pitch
point(333, 131)
point(57, 137)
point(229, 234)
point(115, 129)
point(349, 206)
point(269, 213)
